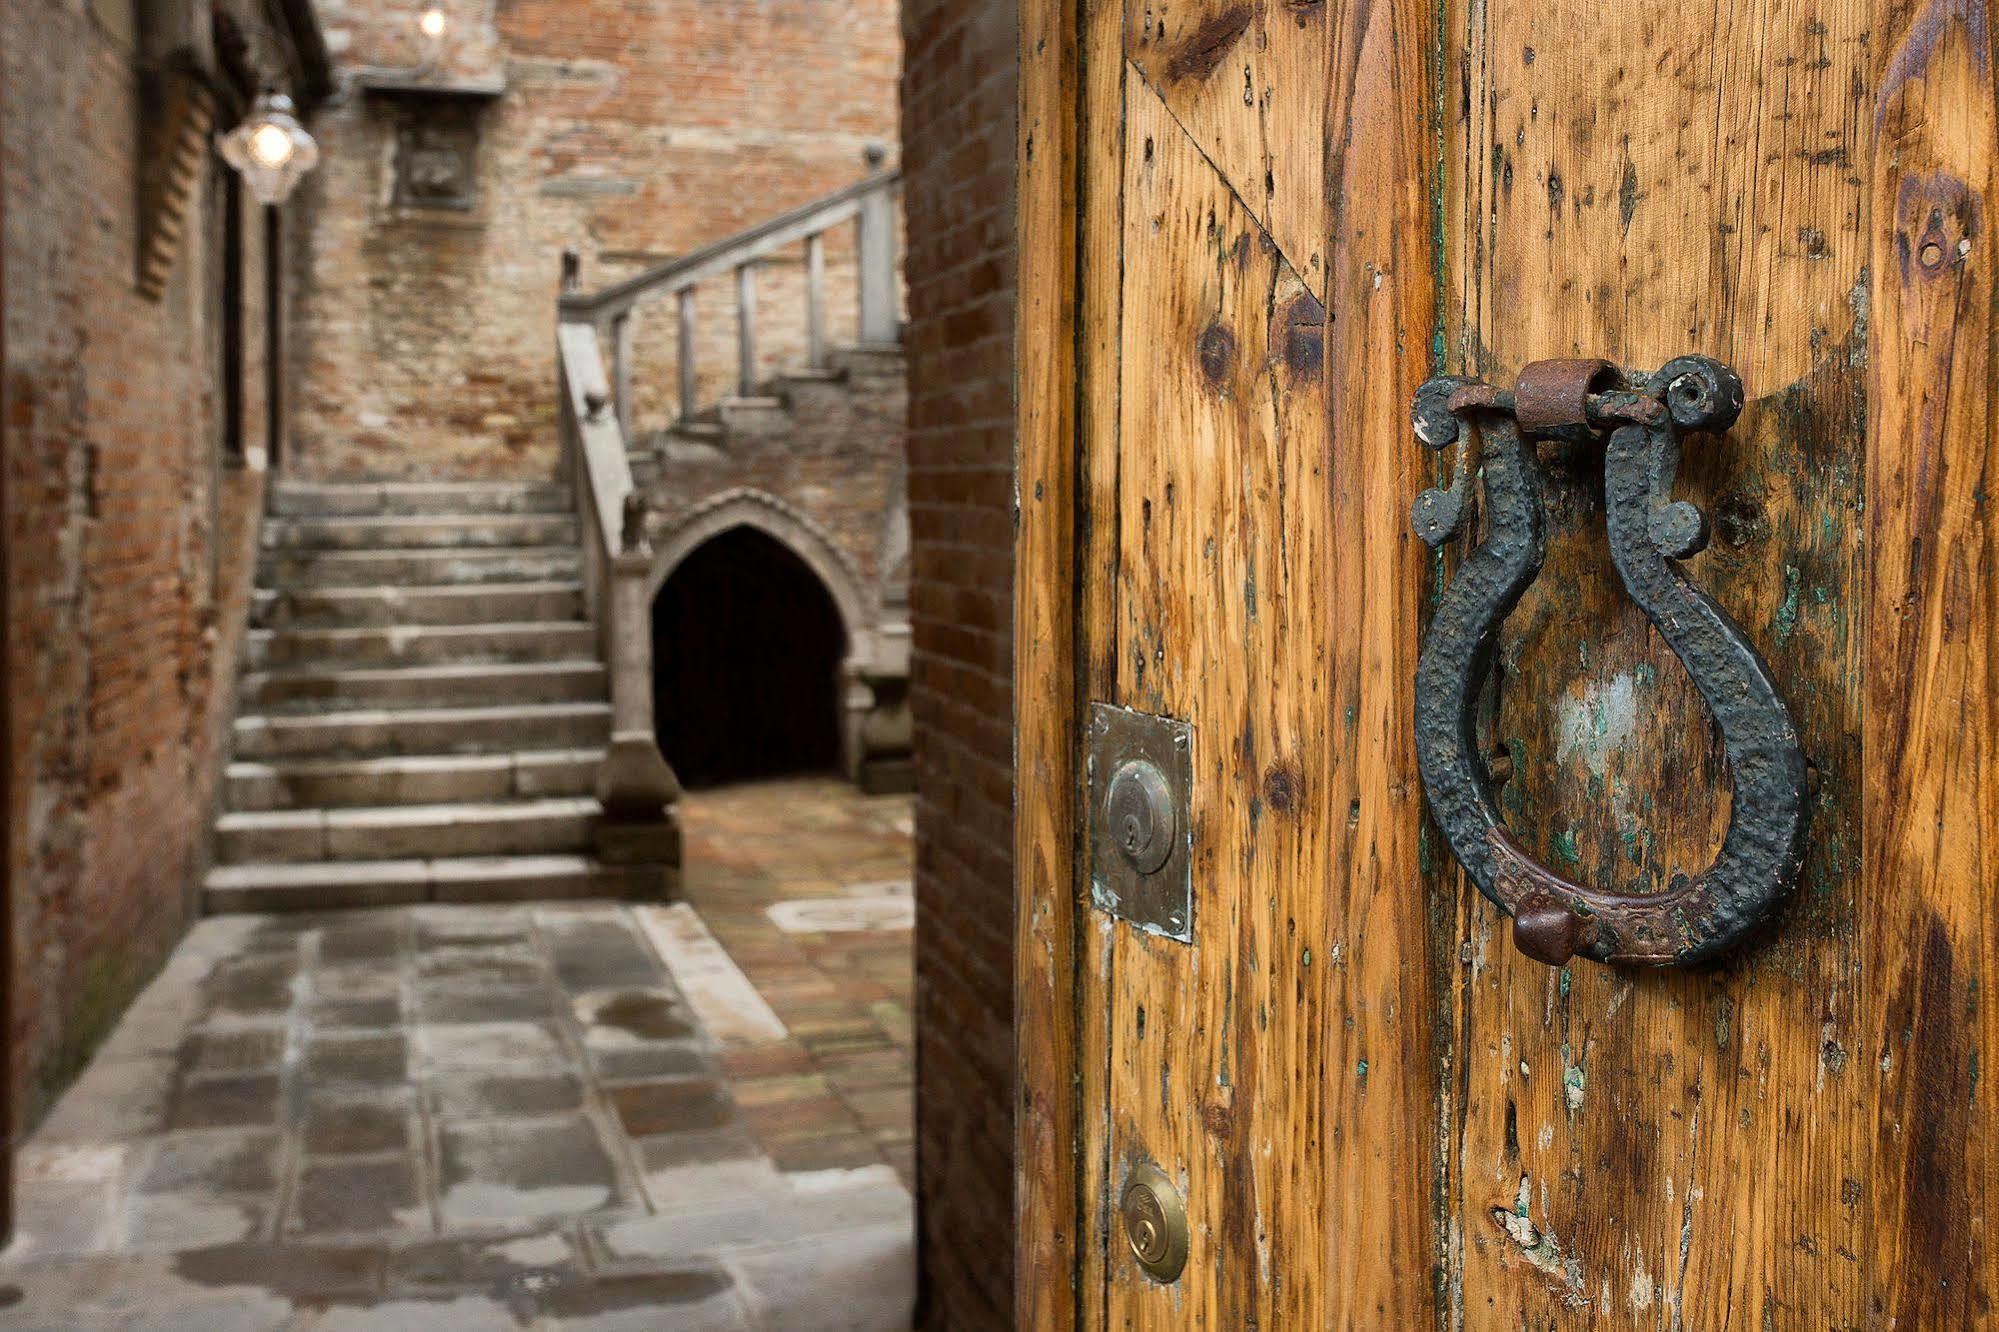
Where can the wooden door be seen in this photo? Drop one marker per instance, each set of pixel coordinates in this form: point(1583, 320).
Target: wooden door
point(1250, 229)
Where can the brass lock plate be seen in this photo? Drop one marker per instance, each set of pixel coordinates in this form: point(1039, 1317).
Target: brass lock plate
point(1141, 770)
point(1155, 1223)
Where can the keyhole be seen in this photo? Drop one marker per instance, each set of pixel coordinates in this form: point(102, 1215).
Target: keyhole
point(1131, 833)
point(1145, 1236)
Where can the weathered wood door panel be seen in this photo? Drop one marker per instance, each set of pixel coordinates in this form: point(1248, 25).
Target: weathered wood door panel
point(1250, 229)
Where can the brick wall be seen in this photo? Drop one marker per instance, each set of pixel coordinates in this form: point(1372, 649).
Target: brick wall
point(631, 131)
point(129, 542)
point(958, 147)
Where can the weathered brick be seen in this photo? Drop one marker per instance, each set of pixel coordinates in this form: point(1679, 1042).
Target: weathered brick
point(631, 131)
point(129, 538)
point(958, 93)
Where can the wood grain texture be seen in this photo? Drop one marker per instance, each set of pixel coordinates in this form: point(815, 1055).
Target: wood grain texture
point(1932, 728)
point(1382, 1116)
point(1685, 180)
point(1100, 277)
point(1247, 80)
point(1218, 1047)
point(1381, 1072)
point(1045, 833)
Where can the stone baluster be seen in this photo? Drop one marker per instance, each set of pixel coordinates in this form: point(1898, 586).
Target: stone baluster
point(621, 373)
point(815, 300)
point(689, 387)
point(636, 786)
point(875, 242)
point(746, 330)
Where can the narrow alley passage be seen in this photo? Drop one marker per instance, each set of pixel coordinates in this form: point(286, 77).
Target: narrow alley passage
point(567, 1115)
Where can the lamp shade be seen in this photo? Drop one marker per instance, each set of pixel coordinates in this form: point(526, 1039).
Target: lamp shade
point(270, 149)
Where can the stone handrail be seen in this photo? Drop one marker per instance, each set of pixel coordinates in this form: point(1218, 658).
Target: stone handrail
point(868, 203)
point(635, 786)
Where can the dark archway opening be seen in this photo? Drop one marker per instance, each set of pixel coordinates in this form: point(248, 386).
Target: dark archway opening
point(747, 646)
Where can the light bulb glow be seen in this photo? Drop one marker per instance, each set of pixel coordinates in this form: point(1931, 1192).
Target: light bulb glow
point(270, 149)
point(432, 23)
point(271, 146)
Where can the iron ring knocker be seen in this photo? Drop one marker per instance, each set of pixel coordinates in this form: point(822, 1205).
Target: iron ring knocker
point(1493, 433)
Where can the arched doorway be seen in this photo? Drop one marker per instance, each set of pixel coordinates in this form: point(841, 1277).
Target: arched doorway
point(747, 647)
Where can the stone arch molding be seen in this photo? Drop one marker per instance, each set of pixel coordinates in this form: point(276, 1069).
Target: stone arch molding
point(747, 507)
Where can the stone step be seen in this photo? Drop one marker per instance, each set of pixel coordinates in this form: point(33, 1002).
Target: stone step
point(423, 731)
point(403, 533)
point(427, 568)
point(386, 832)
point(435, 779)
point(452, 603)
point(419, 645)
point(311, 499)
point(329, 884)
point(430, 686)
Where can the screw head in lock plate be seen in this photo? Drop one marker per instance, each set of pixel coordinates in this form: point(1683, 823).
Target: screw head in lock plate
point(1139, 810)
point(1155, 1223)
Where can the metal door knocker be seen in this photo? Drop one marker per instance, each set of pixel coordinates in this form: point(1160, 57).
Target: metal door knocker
point(1638, 420)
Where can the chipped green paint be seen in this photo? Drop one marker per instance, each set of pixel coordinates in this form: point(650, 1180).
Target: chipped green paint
point(1305, 960)
point(1573, 1080)
point(1565, 847)
point(1360, 1071)
point(1786, 617)
point(1565, 981)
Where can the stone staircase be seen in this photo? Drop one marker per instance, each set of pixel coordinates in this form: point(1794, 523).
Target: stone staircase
point(423, 711)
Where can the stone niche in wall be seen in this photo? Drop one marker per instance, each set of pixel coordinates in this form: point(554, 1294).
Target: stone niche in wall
point(436, 146)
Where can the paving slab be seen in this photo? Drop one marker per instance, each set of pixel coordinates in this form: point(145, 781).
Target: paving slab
point(508, 1171)
point(571, 1114)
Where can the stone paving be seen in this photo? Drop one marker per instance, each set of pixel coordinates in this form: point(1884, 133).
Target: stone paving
point(576, 1115)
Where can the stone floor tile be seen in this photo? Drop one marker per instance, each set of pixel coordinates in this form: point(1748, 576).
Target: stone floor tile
point(594, 955)
point(114, 1099)
point(445, 928)
point(516, 1046)
point(505, 1171)
point(252, 988)
point(485, 1263)
point(211, 1161)
point(339, 1197)
point(364, 1014)
point(58, 1162)
point(375, 938)
point(458, 1312)
point(511, 1131)
point(356, 982)
point(241, 1101)
point(647, 1063)
point(512, 964)
point(306, 1273)
point(671, 1105)
point(349, 1125)
point(492, 1094)
point(862, 1280)
point(703, 1223)
point(614, 1019)
point(742, 1181)
point(367, 1060)
point(171, 1222)
point(55, 1218)
point(465, 1002)
point(246, 1049)
point(686, 1299)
